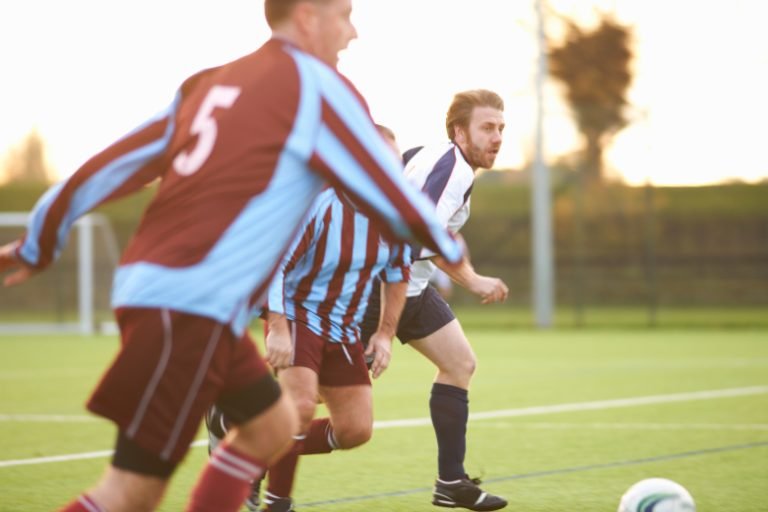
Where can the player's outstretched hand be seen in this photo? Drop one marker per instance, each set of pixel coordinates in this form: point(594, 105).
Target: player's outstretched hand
point(380, 346)
point(20, 272)
point(499, 292)
point(490, 289)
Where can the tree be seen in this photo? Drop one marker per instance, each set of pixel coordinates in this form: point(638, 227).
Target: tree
point(26, 161)
point(594, 68)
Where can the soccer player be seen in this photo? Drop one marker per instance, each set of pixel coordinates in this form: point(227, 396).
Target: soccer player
point(242, 152)
point(316, 303)
point(446, 172)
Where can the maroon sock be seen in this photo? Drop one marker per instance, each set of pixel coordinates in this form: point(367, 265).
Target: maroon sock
point(283, 472)
point(225, 482)
point(83, 503)
point(319, 438)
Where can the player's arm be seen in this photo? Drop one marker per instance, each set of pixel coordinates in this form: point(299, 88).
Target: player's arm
point(123, 168)
point(393, 289)
point(351, 154)
point(489, 289)
point(380, 343)
point(278, 343)
point(450, 199)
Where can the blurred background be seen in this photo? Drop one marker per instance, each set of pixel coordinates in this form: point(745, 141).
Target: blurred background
point(641, 123)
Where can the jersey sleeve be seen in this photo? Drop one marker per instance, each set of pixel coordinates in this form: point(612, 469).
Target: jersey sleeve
point(121, 169)
point(398, 268)
point(351, 154)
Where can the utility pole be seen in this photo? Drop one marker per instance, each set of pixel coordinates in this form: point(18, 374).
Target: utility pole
point(543, 284)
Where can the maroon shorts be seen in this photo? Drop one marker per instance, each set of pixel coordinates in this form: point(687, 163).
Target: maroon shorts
point(336, 364)
point(170, 368)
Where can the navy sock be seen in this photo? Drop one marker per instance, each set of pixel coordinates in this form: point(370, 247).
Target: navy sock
point(449, 408)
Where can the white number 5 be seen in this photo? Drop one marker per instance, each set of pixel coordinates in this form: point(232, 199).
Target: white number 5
point(204, 125)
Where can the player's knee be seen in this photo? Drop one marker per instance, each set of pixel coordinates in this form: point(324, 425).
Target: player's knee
point(469, 366)
point(283, 427)
point(353, 435)
point(291, 422)
point(305, 408)
point(461, 370)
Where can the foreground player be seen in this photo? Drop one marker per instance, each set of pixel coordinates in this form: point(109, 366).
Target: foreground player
point(474, 123)
point(315, 307)
point(240, 150)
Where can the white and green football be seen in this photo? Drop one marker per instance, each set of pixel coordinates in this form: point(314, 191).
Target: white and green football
point(657, 495)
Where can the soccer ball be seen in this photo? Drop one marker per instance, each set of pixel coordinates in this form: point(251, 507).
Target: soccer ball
point(657, 495)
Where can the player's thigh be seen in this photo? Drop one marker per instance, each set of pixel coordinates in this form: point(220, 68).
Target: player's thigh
point(424, 315)
point(300, 383)
point(351, 412)
point(448, 348)
point(349, 406)
point(120, 490)
point(277, 425)
point(345, 387)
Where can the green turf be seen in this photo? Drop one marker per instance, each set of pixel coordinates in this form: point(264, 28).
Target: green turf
point(507, 316)
point(579, 460)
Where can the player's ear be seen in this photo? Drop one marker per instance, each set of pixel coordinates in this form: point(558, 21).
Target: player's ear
point(459, 135)
point(305, 17)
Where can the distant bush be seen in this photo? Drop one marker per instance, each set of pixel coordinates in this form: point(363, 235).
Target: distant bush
point(626, 246)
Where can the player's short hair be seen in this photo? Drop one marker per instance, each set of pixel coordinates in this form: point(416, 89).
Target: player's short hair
point(277, 11)
point(385, 131)
point(461, 107)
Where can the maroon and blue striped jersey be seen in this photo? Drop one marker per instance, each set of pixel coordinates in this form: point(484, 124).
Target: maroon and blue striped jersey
point(242, 151)
point(326, 279)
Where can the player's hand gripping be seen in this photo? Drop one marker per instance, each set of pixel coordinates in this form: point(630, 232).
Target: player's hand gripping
point(279, 343)
point(9, 261)
point(489, 289)
point(380, 346)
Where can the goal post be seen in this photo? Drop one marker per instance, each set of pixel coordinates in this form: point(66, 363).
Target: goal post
point(30, 308)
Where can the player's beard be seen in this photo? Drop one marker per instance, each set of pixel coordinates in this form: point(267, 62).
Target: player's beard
point(479, 157)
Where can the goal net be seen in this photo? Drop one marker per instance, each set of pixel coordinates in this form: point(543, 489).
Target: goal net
point(72, 295)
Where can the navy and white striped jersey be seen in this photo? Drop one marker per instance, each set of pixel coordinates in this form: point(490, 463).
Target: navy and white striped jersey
point(242, 151)
point(326, 280)
point(442, 172)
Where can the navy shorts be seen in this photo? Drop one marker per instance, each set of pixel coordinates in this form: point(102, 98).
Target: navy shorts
point(422, 315)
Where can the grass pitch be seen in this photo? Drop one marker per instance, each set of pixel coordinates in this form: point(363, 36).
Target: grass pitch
point(550, 432)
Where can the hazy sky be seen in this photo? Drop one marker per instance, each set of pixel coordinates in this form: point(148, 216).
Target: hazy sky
point(83, 72)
